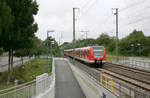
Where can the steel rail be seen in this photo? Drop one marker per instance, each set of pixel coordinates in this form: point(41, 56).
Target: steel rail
point(130, 69)
point(109, 72)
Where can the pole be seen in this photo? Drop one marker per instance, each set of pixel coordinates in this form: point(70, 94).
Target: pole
point(74, 35)
point(132, 45)
point(86, 34)
point(47, 54)
point(51, 54)
point(116, 33)
point(139, 48)
point(139, 51)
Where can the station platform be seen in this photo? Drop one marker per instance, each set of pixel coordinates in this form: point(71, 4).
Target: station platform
point(66, 85)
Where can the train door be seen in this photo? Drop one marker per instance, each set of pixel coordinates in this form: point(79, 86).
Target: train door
point(87, 54)
point(81, 54)
point(84, 53)
point(78, 53)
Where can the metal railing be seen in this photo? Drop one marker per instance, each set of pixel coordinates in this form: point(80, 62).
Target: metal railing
point(27, 90)
point(120, 89)
point(135, 62)
point(117, 87)
point(30, 89)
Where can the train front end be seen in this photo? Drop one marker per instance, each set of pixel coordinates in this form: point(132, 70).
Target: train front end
point(98, 55)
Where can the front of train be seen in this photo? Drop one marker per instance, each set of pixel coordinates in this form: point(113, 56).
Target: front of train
point(98, 54)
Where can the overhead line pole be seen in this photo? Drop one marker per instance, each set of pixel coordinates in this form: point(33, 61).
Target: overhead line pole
point(74, 34)
point(116, 13)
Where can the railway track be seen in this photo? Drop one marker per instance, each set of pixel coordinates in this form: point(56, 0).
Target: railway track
point(141, 83)
point(134, 82)
point(130, 69)
point(141, 78)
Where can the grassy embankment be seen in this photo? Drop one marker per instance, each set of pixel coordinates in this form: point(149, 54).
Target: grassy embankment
point(109, 58)
point(26, 72)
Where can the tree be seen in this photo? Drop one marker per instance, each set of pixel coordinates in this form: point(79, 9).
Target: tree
point(38, 47)
point(133, 39)
point(5, 18)
point(106, 41)
point(22, 28)
point(21, 53)
point(56, 49)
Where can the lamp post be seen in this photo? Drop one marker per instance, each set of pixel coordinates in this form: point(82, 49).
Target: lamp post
point(132, 45)
point(139, 48)
point(47, 50)
point(51, 51)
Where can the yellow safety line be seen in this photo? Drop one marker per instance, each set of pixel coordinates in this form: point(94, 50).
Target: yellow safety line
point(112, 85)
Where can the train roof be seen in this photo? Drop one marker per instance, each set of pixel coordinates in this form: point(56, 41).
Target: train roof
point(83, 48)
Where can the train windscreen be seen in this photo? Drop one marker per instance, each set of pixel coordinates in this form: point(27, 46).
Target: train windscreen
point(98, 51)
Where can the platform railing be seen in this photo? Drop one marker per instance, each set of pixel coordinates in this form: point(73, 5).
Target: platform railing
point(30, 89)
point(27, 90)
point(117, 87)
point(120, 89)
point(135, 62)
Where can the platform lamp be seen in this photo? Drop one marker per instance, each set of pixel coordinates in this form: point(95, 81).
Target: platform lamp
point(139, 48)
point(51, 52)
point(47, 49)
point(132, 45)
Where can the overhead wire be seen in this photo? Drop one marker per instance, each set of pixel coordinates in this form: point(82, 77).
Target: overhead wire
point(132, 5)
point(122, 10)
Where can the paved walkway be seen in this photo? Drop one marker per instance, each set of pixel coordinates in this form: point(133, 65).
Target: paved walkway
point(66, 84)
point(16, 62)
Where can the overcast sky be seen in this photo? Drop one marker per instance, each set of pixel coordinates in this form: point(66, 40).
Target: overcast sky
point(95, 16)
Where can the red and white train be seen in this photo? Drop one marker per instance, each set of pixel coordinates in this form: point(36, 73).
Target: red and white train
point(90, 54)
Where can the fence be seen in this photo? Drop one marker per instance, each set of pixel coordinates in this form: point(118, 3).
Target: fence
point(135, 62)
point(117, 87)
point(27, 90)
point(120, 89)
point(30, 89)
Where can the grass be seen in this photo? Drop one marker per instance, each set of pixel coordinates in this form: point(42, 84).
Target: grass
point(25, 73)
point(109, 58)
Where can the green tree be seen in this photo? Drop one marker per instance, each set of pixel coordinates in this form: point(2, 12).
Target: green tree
point(106, 41)
point(5, 18)
point(38, 47)
point(22, 28)
point(129, 44)
point(146, 47)
point(21, 53)
point(56, 49)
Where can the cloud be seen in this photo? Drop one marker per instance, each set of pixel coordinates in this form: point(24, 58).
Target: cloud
point(95, 16)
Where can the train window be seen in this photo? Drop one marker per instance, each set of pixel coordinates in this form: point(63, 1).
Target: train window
point(87, 53)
